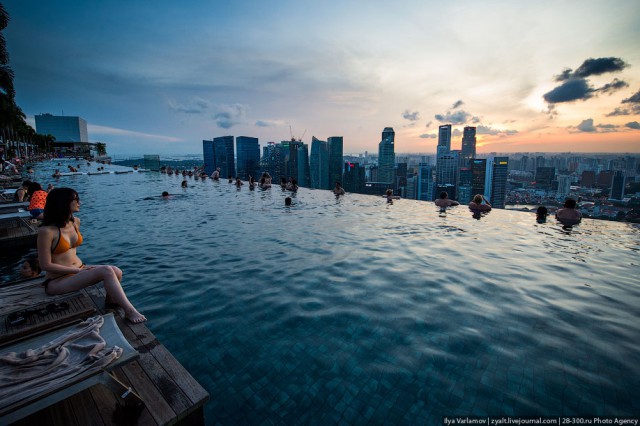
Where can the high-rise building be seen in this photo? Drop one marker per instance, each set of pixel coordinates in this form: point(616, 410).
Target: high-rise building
point(604, 179)
point(248, 156)
point(208, 154)
point(447, 171)
point(465, 188)
point(425, 182)
point(353, 177)
point(272, 161)
point(64, 128)
point(468, 145)
point(617, 186)
point(223, 156)
point(412, 187)
point(499, 181)
point(444, 139)
point(304, 178)
point(588, 179)
point(319, 164)
point(386, 156)
point(564, 185)
point(478, 175)
point(545, 177)
point(335, 160)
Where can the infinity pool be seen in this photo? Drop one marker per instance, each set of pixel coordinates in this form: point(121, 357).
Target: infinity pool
point(352, 310)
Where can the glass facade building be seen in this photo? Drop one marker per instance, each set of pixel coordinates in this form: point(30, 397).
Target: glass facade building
point(319, 164)
point(248, 157)
point(63, 128)
point(335, 160)
point(386, 156)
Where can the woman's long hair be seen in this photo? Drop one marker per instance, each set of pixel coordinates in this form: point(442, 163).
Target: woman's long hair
point(57, 211)
point(33, 187)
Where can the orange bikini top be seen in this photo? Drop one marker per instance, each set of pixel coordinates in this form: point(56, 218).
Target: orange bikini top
point(64, 245)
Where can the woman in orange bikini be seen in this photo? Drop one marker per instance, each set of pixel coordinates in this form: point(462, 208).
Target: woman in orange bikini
point(58, 238)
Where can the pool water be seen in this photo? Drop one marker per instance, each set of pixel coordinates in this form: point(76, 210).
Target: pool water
point(353, 310)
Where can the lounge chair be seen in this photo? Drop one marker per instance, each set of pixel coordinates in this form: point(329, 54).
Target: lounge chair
point(48, 392)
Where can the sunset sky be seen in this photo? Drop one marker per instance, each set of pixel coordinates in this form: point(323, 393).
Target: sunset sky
point(159, 77)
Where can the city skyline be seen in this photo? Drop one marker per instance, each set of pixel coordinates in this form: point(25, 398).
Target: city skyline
point(541, 77)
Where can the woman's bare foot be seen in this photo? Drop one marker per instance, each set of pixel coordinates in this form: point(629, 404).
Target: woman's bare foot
point(135, 317)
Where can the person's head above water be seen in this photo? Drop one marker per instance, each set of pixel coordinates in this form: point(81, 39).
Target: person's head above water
point(570, 203)
point(444, 195)
point(287, 201)
point(477, 198)
point(165, 194)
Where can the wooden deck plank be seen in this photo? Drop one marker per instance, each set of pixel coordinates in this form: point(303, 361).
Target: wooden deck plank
point(169, 392)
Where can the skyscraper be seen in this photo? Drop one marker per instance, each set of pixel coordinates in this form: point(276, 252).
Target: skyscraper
point(468, 145)
point(319, 164)
point(499, 181)
point(248, 156)
point(478, 175)
point(304, 178)
point(335, 160)
point(425, 182)
point(223, 156)
point(444, 139)
point(447, 171)
point(353, 177)
point(272, 161)
point(386, 156)
point(617, 186)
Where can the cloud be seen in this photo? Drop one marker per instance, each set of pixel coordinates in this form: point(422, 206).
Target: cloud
point(230, 115)
point(619, 111)
point(586, 126)
point(570, 90)
point(487, 130)
point(104, 130)
point(457, 104)
point(633, 125)
point(593, 66)
point(196, 106)
point(456, 132)
point(428, 136)
point(429, 124)
point(457, 117)
point(411, 116)
point(613, 86)
point(634, 99)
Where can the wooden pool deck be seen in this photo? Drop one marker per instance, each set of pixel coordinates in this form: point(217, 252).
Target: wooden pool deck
point(170, 394)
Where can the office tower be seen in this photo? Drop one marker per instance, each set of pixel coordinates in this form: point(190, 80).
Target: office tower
point(319, 164)
point(465, 188)
point(617, 186)
point(564, 185)
point(425, 182)
point(604, 179)
point(292, 151)
point(386, 156)
point(272, 161)
point(208, 154)
point(223, 156)
point(248, 156)
point(353, 177)
point(401, 176)
point(468, 145)
point(588, 179)
point(444, 139)
point(545, 177)
point(488, 180)
point(478, 176)
point(304, 178)
point(335, 160)
point(412, 187)
point(447, 171)
point(152, 162)
point(63, 128)
point(499, 181)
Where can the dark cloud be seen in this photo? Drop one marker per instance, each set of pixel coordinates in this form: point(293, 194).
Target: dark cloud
point(633, 125)
point(619, 111)
point(634, 99)
point(229, 115)
point(593, 67)
point(614, 86)
point(411, 116)
point(457, 104)
point(587, 126)
point(428, 136)
point(570, 90)
point(261, 123)
point(428, 124)
point(457, 117)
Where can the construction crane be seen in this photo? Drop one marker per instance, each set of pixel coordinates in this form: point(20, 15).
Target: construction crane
point(293, 139)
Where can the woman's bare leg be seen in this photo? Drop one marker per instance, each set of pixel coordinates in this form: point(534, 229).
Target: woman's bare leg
point(93, 275)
